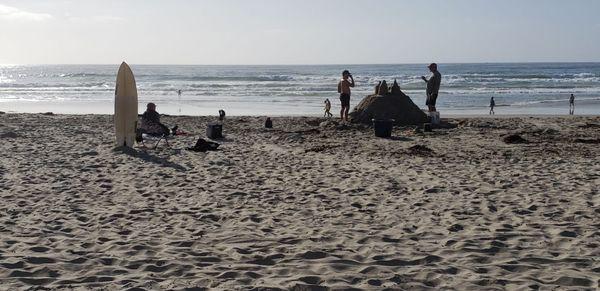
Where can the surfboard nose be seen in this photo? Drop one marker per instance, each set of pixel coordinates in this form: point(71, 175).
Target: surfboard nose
point(124, 69)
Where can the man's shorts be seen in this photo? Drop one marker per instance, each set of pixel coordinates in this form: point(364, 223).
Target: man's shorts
point(431, 99)
point(345, 98)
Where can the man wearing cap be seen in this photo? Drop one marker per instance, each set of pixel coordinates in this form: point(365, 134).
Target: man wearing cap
point(433, 86)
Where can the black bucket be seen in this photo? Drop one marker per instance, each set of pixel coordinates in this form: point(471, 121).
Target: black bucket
point(214, 131)
point(383, 127)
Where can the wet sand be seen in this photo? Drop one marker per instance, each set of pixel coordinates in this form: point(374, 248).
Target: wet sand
point(304, 205)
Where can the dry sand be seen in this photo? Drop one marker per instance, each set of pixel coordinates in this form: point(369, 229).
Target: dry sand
point(301, 206)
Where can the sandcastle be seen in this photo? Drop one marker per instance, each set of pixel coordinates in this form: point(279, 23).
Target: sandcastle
point(388, 103)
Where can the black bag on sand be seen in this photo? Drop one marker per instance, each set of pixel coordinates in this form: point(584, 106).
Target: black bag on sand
point(203, 146)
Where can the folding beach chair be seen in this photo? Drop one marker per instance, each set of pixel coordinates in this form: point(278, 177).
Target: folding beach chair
point(142, 138)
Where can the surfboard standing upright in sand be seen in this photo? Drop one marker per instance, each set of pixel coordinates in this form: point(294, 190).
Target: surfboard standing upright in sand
point(126, 107)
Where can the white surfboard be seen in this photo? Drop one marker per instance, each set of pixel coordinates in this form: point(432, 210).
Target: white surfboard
point(126, 107)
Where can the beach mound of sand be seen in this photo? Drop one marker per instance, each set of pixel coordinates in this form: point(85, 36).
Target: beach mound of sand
point(388, 104)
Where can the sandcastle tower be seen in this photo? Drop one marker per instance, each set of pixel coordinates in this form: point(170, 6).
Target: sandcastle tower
point(383, 88)
point(377, 88)
point(396, 88)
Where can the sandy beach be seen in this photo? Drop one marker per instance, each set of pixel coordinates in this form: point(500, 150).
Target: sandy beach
point(305, 206)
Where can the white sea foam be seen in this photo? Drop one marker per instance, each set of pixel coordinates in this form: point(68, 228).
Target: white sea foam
point(305, 87)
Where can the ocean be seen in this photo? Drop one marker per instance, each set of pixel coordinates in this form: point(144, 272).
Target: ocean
point(518, 88)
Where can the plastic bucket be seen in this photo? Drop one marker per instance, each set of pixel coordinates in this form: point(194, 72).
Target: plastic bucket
point(383, 127)
point(214, 130)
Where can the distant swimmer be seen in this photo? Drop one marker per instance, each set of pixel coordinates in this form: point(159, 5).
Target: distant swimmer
point(179, 98)
point(344, 86)
point(572, 105)
point(433, 86)
point(492, 105)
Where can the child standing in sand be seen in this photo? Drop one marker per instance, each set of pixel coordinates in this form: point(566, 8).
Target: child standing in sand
point(344, 86)
point(327, 109)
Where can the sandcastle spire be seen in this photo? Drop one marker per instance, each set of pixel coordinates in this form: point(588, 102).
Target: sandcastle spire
point(383, 89)
point(377, 88)
point(396, 88)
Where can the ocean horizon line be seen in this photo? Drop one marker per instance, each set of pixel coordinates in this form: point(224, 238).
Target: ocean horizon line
point(304, 65)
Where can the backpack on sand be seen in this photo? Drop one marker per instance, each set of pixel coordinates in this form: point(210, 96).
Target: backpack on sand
point(202, 146)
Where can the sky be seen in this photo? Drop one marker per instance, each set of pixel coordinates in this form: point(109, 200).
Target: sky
point(297, 32)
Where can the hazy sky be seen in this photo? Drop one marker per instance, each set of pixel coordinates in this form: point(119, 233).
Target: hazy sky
point(297, 32)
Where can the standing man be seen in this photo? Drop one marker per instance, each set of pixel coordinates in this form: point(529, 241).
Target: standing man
point(572, 105)
point(344, 89)
point(492, 105)
point(433, 86)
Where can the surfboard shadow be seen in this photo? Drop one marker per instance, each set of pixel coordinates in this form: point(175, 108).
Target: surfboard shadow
point(146, 157)
point(400, 138)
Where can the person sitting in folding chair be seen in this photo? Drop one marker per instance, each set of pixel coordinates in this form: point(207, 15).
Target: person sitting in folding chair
point(152, 127)
point(151, 122)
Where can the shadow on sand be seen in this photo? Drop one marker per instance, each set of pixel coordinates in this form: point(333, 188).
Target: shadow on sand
point(223, 139)
point(145, 156)
point(399, 138)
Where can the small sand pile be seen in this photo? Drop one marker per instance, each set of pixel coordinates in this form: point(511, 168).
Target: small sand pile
point(513, 138)
point(420, 150)
point(9, 134)
point(329, 124)
point(388, 103)
point(588, 140)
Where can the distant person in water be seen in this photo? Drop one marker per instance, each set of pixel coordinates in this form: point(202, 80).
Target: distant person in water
point(572, 105)
point(327, 109)
point(344, 86)
point(492, 105)
point(151, 122)
point(433, 86)
point(179, 98)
